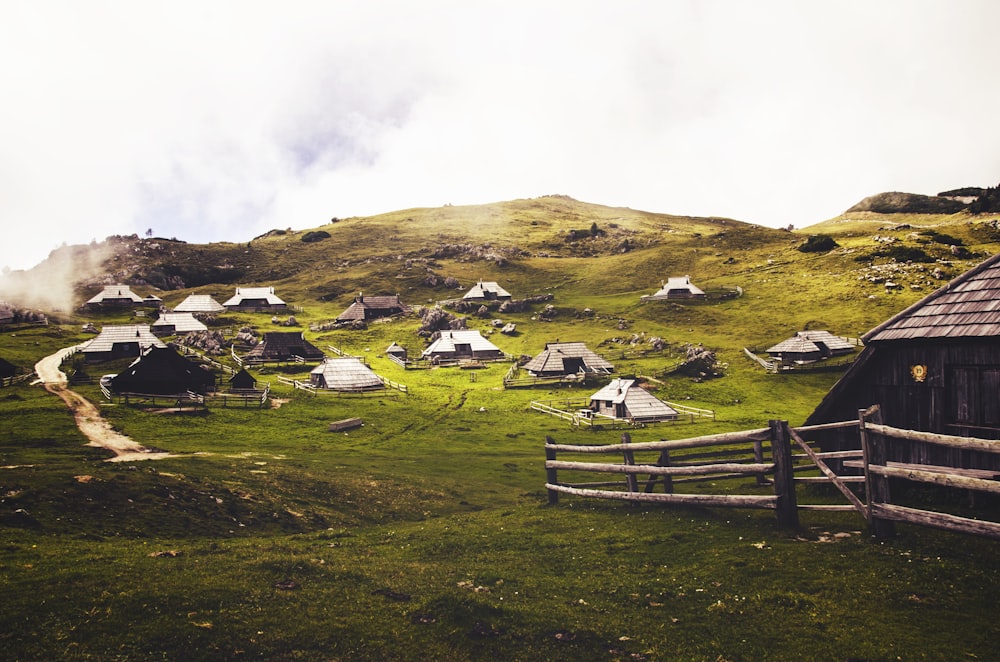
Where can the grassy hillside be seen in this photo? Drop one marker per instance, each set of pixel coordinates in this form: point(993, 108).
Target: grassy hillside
point(425, 533)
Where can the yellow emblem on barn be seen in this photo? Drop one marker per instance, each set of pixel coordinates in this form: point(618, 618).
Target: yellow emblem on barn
point(919, 372)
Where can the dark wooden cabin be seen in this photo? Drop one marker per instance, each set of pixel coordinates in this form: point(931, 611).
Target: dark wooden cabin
point(162, 371)
point(284, 346)
point(365, 309)
point(934, 367)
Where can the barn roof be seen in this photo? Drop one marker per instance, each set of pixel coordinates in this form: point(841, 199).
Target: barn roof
point(677, 287)
point(445, 344)
point(794, 345)
point(484, 287)
point(347, 373)
point(115, 293)
point(254, 293)
point(639, 402)
point(368, 307)
point(967, 307)
point(182, 322)
point(833, 343)
point(811, 342)
point(551, 358)
point(199, 303)
point(113, 335)
point(162, 370)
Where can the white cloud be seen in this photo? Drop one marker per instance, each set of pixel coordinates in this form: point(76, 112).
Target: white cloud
point(217, 121)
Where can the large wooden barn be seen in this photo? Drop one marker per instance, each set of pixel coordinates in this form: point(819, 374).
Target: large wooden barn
point(934, 367)
point(162, 371)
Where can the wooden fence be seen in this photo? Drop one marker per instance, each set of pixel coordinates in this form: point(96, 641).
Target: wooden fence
point(16, 379)
point(767, 455)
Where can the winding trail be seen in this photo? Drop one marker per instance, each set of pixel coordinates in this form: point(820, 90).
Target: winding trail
point(97, 430)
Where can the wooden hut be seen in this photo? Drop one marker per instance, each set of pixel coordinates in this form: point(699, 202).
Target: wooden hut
point(118, 341)
point(487, 291)
point(163, 371)
point(256, 300)
point(809, 347)
point(396, 352)
point(284, 346)
point(114, 296)
point(242, 381)
point(365, 309)
point(200, 304)
point(7, 369)
point(560, 359)
point(933, 367)
point(462, 344)
point(676, 287)
point(624, 398)
point(345, 373)
point(170, 324)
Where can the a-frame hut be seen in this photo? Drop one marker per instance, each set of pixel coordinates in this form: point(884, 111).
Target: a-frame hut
point(487, 290)
point(119, 341)
point(810, 346)
point(163, 371)
point(255, 299)
point(367, 308)
point(560, 359)
point(284, 346)
point(624, 398)
point(462, 344)
point(397, 352)
point(676, 287)
point(242, 381)
point(114, 296)
point(345, 373)
point(200, 304)
point(933, 367)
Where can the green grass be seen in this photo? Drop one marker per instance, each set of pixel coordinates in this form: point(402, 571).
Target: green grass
point(425, 533)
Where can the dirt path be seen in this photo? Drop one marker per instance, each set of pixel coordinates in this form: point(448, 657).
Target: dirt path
point(88, 418)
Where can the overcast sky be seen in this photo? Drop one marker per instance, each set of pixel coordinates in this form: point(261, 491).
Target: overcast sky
point(211, 121)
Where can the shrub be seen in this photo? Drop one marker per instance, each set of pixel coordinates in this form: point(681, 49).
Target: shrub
point(314, 236)
point(818, 243)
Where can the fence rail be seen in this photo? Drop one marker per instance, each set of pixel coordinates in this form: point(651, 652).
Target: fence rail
point(742, 454)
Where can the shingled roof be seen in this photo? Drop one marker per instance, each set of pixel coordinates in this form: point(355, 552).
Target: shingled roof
point(967, 307)
point(117, 294)
point(640, 404)
point(373, 307)
point(199, 303)
point(284, 346)
point(562, 358)
point(463, 342)
point(125, 334)
point(345, 373)
point(172, 323)
point(161, 370)
point(486, 290)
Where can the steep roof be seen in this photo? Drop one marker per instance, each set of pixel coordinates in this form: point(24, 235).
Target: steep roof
point(182, 322)
point(161, 370)
point(254, 293)
point(347, 373)
point(370, 307)
point(835, 344)
point(115, 293)
point(446, 342)
point(487, 289)
point(677, 287)
point(551, 359)
point(795, 345)
point(967, 307)
point(283, 345)
point(641, 404)
point(199, 303)
point(113, 335)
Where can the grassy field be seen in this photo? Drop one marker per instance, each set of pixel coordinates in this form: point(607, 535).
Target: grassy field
point(426, 534)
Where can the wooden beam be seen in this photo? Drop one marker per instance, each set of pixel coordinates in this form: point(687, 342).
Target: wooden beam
point(696, 442)
point(829, 473)
point(766, 501)
point(656, 470)
point(951, 441)
point(889, 511)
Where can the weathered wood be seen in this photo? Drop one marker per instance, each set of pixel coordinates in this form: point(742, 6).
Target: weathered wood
point(345, 424)
point(876, 486)
point(985, 474)
point(832, 455)
point(888, 511)
point(824, 479)
point(766, 501)
point(629, 458)
point(784, 482)
point(656, 470)
point(913, 472)
point(695, 442)
point(551, 475)
point(826, 426)
point(828, 472)
point(951, 441)
point(828, 507)
point(668, 481)
point(758, 456)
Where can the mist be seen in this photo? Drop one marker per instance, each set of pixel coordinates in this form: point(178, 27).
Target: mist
point(50, 286)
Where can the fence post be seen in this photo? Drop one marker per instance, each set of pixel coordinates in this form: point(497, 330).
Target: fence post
point(876, 485)
point(787, 508)
point(668, 480)
point(758, 456)
point(630, 479)
point(550, 474)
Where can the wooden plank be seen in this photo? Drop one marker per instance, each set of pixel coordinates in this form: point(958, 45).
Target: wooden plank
point(889, 511)
point(656, 470)
point(766, 501)
point(824, 479)
point(784, 485)
point(826, 426)
point(827, 507)
point(345, 424)
point(695, 442)
point(946, 479)
point(951, 441)
point(829, 473)
point(985, 474)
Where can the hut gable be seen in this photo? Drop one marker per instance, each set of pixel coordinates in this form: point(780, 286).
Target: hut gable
point(567, 358)
point(162, 371)
point(623, 398)
point(242, 381)
point(177, 323)
point(487, 291)
point(462, 344)
point(677, 287)
point(255, 299)
point(202, 304)
point(117, 341)
point(284, 346)
point(367, 308)
point(934, 367)
point(115, 296)
point(345, 373)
